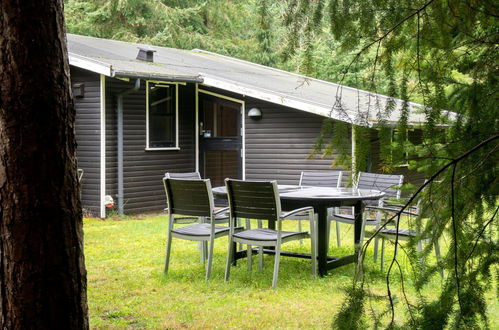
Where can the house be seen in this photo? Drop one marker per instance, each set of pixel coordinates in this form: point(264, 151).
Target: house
point(142, 111)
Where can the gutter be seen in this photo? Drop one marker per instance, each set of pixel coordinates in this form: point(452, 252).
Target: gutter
point(121, 203)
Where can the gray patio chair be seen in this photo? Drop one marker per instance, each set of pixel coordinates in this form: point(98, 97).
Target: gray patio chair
point(387, 183)
point(405, 234)
point(329, 178)
point(184, 176)
point(192, 198)
point(260, 200)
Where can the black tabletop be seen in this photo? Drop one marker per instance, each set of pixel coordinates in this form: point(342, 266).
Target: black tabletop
point(318, 194)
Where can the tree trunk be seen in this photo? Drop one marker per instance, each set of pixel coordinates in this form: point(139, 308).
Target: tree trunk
point(42, 270)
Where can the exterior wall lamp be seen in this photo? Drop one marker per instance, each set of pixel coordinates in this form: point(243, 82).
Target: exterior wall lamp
point(255, 114)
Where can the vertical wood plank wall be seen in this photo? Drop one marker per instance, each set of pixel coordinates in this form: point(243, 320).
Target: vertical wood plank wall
point(143, 170)
point(87, 129)
point(278, 145)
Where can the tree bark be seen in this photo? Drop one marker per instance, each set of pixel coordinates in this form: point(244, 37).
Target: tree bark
point(42, 270)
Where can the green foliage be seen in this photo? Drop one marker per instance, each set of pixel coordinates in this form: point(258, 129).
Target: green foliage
point(351, 314)
point(264, 34)
point(444, 55)
point(226, 27)
point(332, 143)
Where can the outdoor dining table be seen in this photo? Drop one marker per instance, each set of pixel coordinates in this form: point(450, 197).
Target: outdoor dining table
point(321, 198)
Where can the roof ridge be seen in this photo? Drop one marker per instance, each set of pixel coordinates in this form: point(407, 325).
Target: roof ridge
point(129, 43)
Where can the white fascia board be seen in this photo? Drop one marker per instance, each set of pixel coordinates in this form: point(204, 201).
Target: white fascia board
point(90, 64)
point(321, 110)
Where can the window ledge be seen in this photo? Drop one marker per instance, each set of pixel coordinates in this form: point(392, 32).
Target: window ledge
point(162, 149)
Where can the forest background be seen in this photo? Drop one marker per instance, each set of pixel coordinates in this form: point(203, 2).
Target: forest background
point(441, 54)
point(252, 30)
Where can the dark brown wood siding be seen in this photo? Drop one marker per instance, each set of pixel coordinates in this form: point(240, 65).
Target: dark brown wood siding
point(278, 145)
point(88, 137)
point(143, 170)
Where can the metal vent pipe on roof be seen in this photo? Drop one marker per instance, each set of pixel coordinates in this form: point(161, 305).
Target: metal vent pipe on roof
point(145, 54)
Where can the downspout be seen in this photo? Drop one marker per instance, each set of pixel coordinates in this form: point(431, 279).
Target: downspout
point(121, 203)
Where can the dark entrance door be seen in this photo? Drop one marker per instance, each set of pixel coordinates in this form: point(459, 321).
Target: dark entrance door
point(220, 141)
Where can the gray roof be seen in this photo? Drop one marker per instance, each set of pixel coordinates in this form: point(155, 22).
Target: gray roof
point(118, 59)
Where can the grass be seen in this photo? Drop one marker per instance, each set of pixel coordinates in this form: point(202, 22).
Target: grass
point(127, 289)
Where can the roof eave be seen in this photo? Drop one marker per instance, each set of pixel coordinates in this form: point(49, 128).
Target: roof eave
point(106, 69)
point(90, 64)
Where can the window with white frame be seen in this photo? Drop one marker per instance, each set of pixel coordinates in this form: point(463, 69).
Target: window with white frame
point(162, 116)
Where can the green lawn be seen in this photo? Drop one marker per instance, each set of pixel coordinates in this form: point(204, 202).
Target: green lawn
point(127, 289)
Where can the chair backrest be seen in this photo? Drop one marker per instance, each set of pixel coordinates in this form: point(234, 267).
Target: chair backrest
point(321, 178)
point(189, 197)
point(253, 199)
point(186, 175)
point(387, 183)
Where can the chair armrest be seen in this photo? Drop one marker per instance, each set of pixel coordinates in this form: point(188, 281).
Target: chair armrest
point(225, 209)
point(392, 210)
point(303, 209)
point(393, 204)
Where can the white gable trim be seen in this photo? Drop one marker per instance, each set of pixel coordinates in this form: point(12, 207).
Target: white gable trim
point(318, 109)
point(90, 64)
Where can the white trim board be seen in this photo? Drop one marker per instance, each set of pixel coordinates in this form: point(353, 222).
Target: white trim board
point(317, 108)
point(90, 64)
point(197, 129)
point(320, 110)
point(177, 126)
point(102, 145)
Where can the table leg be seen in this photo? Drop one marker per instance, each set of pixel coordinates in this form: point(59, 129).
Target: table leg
point(358, 235)
point(322, 247)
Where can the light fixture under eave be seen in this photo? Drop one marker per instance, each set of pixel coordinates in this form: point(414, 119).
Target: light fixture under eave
point(255, 113)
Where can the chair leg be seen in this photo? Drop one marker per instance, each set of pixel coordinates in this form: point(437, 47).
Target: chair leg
point(328, 230)
point(260, 258)
point(313, 249)
point(260, 251)
point(239, 225)
point(439, 259)
point(210, 258)
point(300, 230)
point(201, 252)
point(338, 239)
point(376, 239)
point(205, 251)
point(201, 246)
point(168, 248)
point(419, 248)
point(376, 243)
point(276, 265)
point(229, 259)
point(382, 253)
point(249, 252)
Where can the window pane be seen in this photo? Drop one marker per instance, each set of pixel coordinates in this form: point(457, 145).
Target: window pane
point(221, 120)
point(162, 116)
